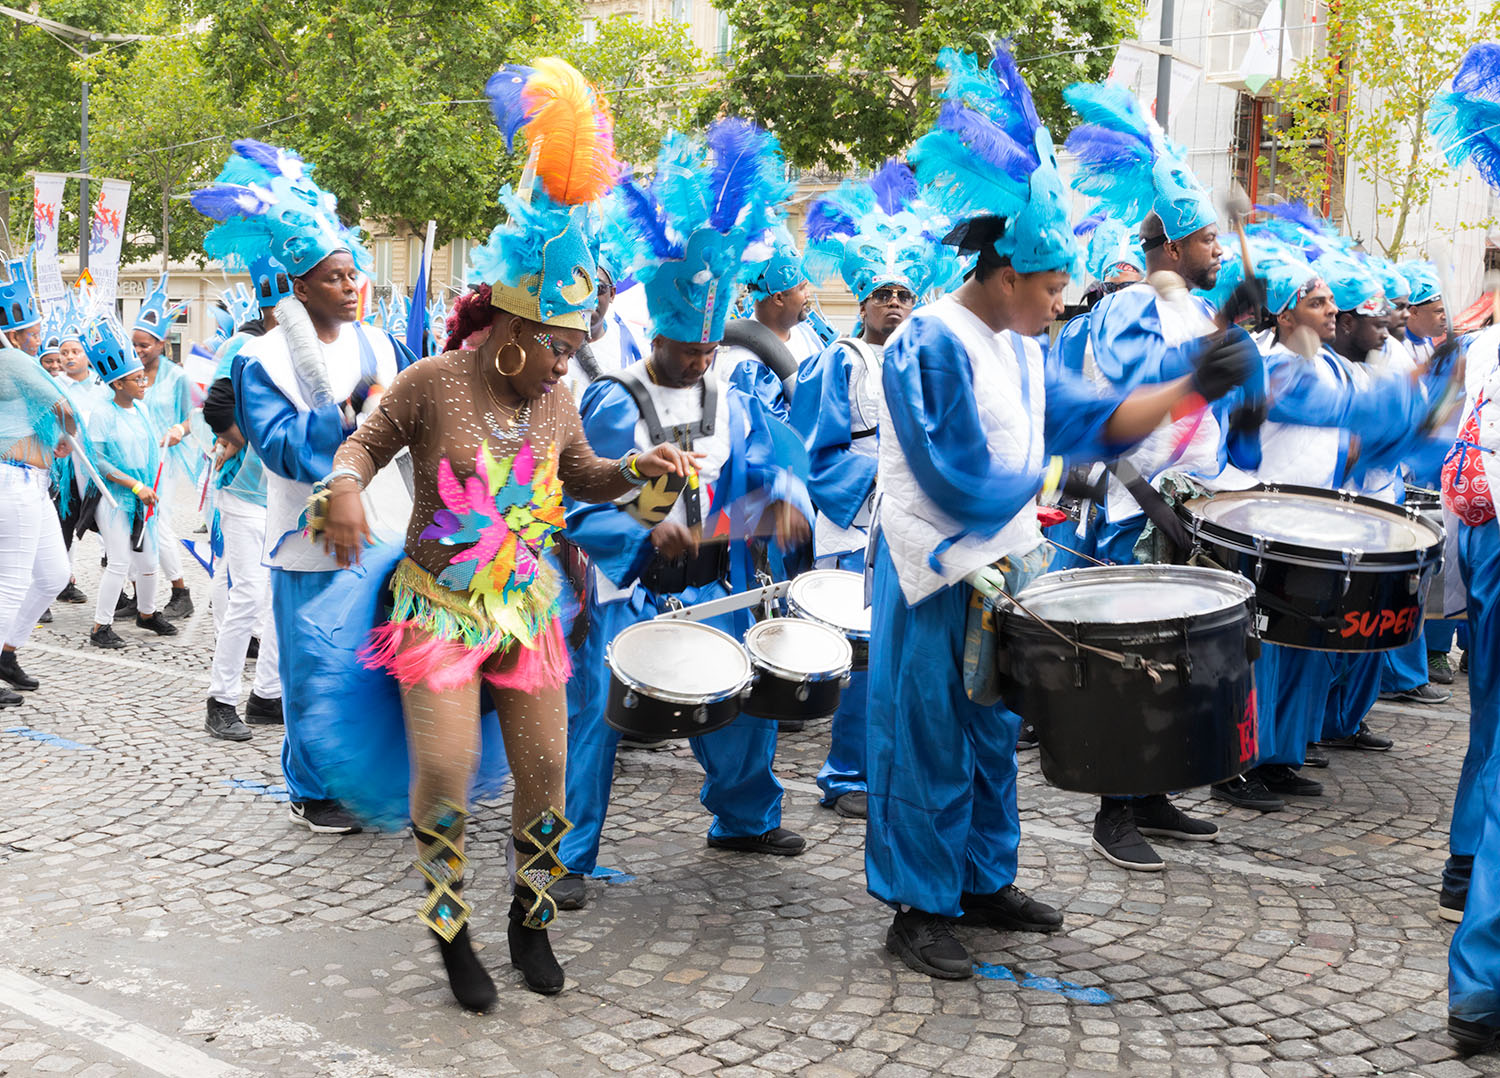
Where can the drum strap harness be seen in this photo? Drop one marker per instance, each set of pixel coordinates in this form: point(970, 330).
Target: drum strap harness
point(1156, 508)
point(872, 367)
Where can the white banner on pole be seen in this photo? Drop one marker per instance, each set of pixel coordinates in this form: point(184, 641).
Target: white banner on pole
point(1135, 68)
point(106, 234)
point(46, 212)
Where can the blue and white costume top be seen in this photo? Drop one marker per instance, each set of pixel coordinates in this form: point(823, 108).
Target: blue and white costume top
point(837, 411)
point(743, 369)
point(242, 476)
point(296, 441)
point(1137, 339)
point(966, 416)
point(617, 349)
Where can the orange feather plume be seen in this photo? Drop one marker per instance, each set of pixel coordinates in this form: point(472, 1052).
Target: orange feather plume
point(570, 134)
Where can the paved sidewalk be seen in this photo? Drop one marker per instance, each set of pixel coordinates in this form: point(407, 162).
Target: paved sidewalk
point(162, 916)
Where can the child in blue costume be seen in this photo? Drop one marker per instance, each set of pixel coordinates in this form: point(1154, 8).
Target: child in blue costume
point(968, 417)
point(298, 392)
point(883, 240)
point(1466, 123)
point(688, 261)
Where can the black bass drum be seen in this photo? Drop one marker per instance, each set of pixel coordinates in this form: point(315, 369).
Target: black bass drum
point(1333, 571)
point(1149, 687)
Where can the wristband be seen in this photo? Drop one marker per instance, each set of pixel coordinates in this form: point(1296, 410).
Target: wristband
point(135, 488)
point(631, 473)
point(341, 473)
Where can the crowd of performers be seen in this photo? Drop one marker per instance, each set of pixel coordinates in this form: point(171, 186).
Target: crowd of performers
point(435, 555)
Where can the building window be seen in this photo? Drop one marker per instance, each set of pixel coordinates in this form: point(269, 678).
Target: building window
point(413, 261)
point(590, 30)
point(725, 34)
point(458, 264)
point(382, 262)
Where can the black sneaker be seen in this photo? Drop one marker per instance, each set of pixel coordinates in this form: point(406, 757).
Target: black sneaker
point(72, 594)
point(1249, 792)
point(854, 805)
point(157, 624)
point(1285, 782)
point(1117, 840)
point(1439, 669)
point(224, 722)
point(253, 651)
point(262, 712)
point(106, 637)
point(640, 744)
point(1360, 739)
point(570, 892)
point(1451, 906)
point(125, 607)
point(1010, 908)
point(46, 617)
point(10, 699)
point(180, 606)
point(778, 841)
point(1463, 663)
point(323, 817)
point(10, 670)
point(1473, 1037)
point(1314, 758)
point(1027, 738)
point(1158, 817)
point(1426, 693)
point(926, 943)
point(791, 726)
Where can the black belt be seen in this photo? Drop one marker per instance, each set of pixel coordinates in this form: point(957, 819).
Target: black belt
point(668, 576)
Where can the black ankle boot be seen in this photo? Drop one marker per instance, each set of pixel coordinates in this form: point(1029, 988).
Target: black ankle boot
point(531, 953)
point(467, 978)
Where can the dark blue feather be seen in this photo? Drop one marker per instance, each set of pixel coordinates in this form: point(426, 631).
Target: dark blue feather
point(504, 89)
point(1104, 150)
point(987, 140)
point(1024, 110)
point(225, 200)
point(1300, 214)
point(894, 186)
point(272, 158)
point(737, 147)
point(1088, 224)
point(1479, 74)
point(647, 214)
point(825, 220)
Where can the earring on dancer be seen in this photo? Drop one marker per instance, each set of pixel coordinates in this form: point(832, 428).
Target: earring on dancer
point(512, 343)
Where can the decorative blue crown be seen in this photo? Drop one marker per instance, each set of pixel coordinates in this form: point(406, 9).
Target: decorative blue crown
point(1112, 244)
point(880, 233)
point(1354, 287)
point(1422, 279)
point(73, 318)
point(1126, 161)
point(224, 326)
point(109, 349)
point(394, 315)
point(18, 308)
point(1466, 120)
point(157, 313)
point(52, 329)
point(240, 303)
point(270, 280)
point(437, 323)
point(989, 155)
point(782, 270)
point(700, 227)
point(268, 203)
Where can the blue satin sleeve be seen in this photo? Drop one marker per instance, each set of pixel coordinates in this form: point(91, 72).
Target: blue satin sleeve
point(764, 475)
point(929, 394)
point(1299, 396)
point(617, 543)
point(294, 444)
point(839, 479)
point(1129, 347)
point(1072, 343)
point(1077, 413)
point(754, 378)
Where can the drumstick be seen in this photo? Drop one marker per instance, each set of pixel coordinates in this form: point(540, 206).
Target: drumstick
point(154, 484)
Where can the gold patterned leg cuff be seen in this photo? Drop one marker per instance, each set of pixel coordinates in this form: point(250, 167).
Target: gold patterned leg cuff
point(541, 867)
point(442, 865)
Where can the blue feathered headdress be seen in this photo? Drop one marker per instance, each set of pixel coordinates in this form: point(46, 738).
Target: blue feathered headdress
point(989, 155)
point(1298, 225)
point(1422, 279)
point(268, 203)
point(700, 226)
point(1354, 287)
point(781, 271)
point(1466, 120)
point(1126, 161)
point(1112, 244)
point(881, 232)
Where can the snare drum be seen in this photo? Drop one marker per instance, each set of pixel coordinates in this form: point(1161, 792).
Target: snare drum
point(1169, 705)
point(801, 669)
point(674, 679)
point(1332, 571)
point(835, 598)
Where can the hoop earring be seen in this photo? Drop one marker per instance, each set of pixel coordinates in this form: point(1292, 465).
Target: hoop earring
point(512, 343)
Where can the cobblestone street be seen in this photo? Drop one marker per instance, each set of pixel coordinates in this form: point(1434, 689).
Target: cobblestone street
point(162, 916)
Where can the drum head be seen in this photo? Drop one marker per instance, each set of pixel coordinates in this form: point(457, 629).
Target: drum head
point(1131, 594)
point(799, 650)
point(835, 597)
point(679, 661)
point(1322, 523)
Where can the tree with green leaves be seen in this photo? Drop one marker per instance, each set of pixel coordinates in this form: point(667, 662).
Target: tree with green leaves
point(653, 76)
point(381, 97)
point(849, 83)
point(157, 119)
point(1363, 100)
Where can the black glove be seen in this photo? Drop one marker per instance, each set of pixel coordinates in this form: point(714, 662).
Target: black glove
point(1248, 297)
point(1224, 366)
point(1249, 417)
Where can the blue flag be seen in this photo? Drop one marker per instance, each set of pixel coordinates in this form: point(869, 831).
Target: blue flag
point(416, 320)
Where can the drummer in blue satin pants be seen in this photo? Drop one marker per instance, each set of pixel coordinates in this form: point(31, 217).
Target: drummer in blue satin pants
point(738, 465)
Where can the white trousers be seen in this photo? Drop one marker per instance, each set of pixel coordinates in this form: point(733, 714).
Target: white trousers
point(114, 529)
point(245, 601)
point(168, 549)
point(33, 561)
